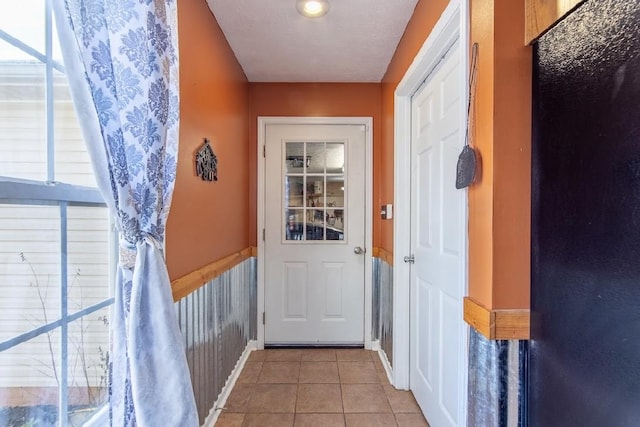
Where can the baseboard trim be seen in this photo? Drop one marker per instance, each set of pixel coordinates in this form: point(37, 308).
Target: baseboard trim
point(218, 406)
point(385, 364)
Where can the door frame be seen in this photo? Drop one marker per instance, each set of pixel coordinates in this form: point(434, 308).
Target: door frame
point(453, 24)
point(263, 121)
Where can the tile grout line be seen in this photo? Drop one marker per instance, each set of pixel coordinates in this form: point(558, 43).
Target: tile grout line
point(295, 406)
point(344, 416)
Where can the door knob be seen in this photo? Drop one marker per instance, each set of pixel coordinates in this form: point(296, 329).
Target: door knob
point(410, 259)
point(358, 250)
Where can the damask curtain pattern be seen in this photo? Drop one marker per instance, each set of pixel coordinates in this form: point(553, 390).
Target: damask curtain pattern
point(121, 58)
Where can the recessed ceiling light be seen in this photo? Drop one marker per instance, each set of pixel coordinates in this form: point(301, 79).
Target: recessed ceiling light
point(312, 8)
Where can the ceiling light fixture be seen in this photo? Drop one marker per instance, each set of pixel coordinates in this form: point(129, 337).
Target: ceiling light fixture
point(312, 8)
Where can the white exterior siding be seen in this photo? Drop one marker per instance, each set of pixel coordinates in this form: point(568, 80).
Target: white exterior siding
point(30, 243)
point(23, 150)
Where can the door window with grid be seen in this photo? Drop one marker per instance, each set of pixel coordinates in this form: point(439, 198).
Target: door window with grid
point(314, 191)
point(56, 247)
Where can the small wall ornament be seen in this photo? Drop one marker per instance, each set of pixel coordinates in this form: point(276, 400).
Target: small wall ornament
point(207, 163)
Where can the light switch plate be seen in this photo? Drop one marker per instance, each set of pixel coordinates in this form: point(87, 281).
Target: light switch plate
point(386, 211)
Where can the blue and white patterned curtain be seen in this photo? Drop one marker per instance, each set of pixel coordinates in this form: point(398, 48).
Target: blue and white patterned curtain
point(121, 58)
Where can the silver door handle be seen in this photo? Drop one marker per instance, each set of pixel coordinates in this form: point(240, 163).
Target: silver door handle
point(358, 250)
point(410, 259)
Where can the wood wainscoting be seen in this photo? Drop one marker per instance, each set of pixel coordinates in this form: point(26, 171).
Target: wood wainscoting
point(497, 324)
point(184, 285)
point(383, 254)
point(543, 14)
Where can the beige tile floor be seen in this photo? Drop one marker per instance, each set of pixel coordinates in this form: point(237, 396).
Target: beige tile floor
point(317, 388)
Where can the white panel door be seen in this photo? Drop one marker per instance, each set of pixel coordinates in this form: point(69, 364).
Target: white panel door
point(437, 242)
point(314, 234)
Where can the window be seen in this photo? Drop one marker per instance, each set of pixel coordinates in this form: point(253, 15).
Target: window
point(56, 247)
point(314, 189)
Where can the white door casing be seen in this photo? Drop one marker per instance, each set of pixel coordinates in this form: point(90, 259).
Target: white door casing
point(452, 26)
point(314, 281)
point(437, 226)
point(313, 291)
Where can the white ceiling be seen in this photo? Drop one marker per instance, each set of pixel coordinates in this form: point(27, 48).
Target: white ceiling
point(354, 42)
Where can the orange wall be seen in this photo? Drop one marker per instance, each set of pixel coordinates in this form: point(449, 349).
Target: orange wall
point(208, 220)
point(499, 205)
point(312, 99)
point(481, 246)
point(512, 158)
point(425, 16)
point(211, 220)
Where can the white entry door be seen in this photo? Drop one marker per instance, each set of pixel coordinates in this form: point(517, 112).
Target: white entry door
point(438, 227)
point(314, 234)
